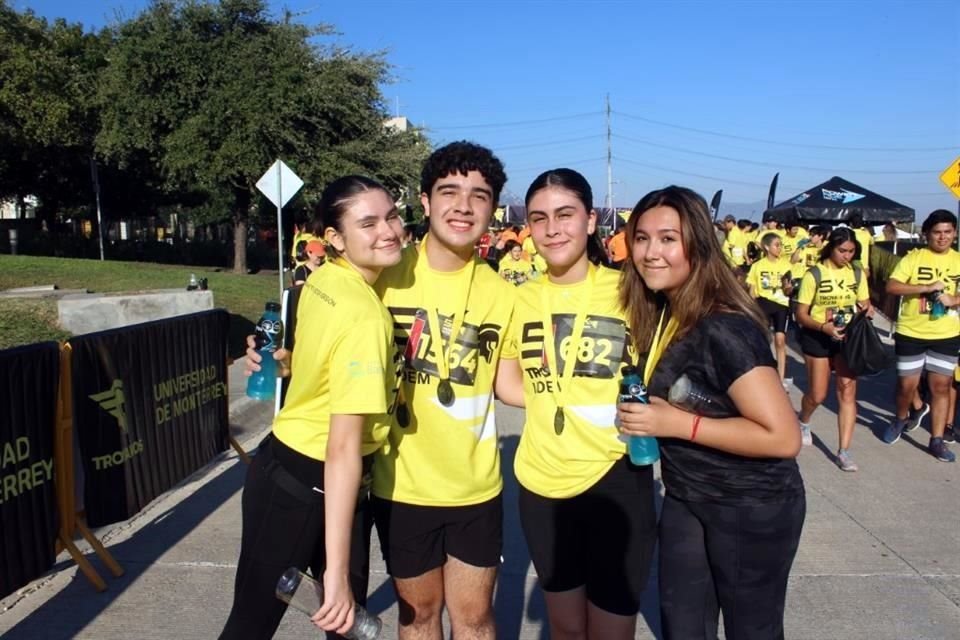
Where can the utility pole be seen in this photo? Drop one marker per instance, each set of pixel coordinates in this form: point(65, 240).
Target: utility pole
point(610, 168)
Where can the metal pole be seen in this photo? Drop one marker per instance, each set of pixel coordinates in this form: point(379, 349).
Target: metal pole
point(610, 169)
point(280, 225)
point(99, 224)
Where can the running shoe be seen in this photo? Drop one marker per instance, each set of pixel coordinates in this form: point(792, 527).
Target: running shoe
point(916, 416)
point(806, 435)
point(845, 461)
point(894, 431)
point(949, 434)
point(939, 450)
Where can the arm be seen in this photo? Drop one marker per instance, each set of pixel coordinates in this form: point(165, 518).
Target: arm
point(898, 288)
point(508, 384)
point(341, 481)
point(767, 428)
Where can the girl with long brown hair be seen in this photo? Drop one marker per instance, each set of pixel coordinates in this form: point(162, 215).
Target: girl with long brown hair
point(734, 503)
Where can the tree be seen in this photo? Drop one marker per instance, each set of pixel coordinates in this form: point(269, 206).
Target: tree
point(212, 93)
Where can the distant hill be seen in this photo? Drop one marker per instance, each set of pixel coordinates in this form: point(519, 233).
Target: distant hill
point(748, 210)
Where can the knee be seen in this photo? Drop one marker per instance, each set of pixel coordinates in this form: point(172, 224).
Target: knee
point(939, 385)
point(419, 612)
point(470, 617)
point(847, 391)
point(815, 397)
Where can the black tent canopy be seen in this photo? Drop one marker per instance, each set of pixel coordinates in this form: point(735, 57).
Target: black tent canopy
point(837, 200)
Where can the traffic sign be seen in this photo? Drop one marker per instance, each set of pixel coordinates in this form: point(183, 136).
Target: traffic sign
point(279, 183)
point(951, 177)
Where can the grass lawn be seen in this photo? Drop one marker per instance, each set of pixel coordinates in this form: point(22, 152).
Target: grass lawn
point(23, 321)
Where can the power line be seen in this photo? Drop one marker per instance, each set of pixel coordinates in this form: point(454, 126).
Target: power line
point(776, 165)
point(517, 123)
point(775, 142)
point(544, 144)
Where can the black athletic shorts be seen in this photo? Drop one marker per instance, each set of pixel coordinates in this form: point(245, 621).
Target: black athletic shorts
point(602, 539)
point(817, 344)
point(416, 539)
point(777, 314)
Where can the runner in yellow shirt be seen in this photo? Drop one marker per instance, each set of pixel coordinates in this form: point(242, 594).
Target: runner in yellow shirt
point(300, 498)
point(513, 267)
point(587, 513)
point(735, 247)
point(824, 307)
point(771, 284)
point(928, 327)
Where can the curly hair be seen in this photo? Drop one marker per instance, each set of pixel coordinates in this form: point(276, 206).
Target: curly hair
point(463, 157)
point(711, 287)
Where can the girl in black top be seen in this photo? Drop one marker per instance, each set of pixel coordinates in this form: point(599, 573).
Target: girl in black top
point(734, 503)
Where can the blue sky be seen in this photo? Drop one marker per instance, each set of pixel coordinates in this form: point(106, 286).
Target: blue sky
point(710, 95)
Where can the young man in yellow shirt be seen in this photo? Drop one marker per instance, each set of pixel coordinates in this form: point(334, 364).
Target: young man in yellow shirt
point(928, 328)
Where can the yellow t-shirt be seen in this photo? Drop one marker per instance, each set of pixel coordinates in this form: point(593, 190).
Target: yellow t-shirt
point(735, 246)
point(810, 256)
point(789, 243)
point(343, 363)
point(560, 466)
point(865, 238)
point(529, 248)
point(507, 263)
point(923, 266)
point(766, 279)
point(838, 291)
point(445, 456)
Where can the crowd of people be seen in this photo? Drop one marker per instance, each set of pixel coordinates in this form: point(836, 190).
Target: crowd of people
point(399, 353)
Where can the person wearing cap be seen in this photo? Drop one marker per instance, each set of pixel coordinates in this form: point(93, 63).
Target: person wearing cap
point(736, 245)
point(315, 255)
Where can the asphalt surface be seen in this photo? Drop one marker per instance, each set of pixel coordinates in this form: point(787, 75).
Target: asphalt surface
point(878, 559)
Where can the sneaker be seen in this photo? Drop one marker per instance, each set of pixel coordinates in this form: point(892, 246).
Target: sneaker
point(949, 434)
point(916, 416)
point(787, 383)
point(939, 450)
point(805, 435)
point(894, 431)
point(845, 461)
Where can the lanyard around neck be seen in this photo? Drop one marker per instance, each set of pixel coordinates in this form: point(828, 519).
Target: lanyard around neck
point(661, 340)
point(551, 349)
point(459, 311)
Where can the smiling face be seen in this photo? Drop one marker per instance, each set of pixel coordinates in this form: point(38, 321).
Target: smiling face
point(459, 208)
point(658, 251)
point(369, 233)
point(941, 236)
point(560, 226)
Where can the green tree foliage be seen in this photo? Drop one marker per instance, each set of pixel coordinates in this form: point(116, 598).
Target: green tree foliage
point(47, 117)
point(212, 93)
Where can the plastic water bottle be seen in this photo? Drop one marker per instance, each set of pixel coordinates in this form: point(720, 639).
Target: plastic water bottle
point(305, 594)
point(937, 308)
point(689, 396)
point(262, 384)
point(643, 449)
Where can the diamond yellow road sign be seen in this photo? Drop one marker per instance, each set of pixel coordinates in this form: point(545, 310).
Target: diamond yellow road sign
point(951, 177)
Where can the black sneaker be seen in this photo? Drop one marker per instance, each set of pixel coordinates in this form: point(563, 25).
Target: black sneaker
point(915, 417)
point(949, 434)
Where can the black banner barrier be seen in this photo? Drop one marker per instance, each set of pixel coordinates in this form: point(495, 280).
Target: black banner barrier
point(29, 377)
point(150, 407)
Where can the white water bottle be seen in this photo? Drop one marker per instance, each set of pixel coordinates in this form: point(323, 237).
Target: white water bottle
point(305, 594)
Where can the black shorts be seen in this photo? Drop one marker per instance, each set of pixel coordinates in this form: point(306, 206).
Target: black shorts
point(938, 355)
point(777, 314)
point(416, 539)
point(602, 539)
point(817, 344)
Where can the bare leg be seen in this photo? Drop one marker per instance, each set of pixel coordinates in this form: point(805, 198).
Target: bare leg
point(846, 400)
point(908, 395)
point(469, 595)
point(939, 402)
point(567, 613)
point(818, 379)
point(420, 601)
point(603, 625)
point(780, 346)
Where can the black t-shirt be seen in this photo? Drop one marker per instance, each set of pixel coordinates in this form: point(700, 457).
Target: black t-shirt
point(300, 273)
point(715, 353)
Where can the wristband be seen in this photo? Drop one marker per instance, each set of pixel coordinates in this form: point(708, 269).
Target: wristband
point(696, 427)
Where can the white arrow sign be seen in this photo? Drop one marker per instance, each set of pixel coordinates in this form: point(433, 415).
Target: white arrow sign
point(279, 183)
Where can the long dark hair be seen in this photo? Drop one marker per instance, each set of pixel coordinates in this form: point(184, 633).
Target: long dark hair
point(838, 236)
point(576, 184)
point(712, 285)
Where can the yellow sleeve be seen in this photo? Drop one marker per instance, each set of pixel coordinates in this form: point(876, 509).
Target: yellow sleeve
point(358, 364)
point(863, 291)
point(808, 289)
point(752, 279)
point(903, 271)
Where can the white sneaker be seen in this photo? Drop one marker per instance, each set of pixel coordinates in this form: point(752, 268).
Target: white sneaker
point(805, 435)
point(787, 383)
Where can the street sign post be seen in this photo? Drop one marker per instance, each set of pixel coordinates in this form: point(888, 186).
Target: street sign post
point(279, 184)
point(951, 180)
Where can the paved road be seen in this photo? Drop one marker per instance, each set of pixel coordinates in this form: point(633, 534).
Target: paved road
point(878, 560)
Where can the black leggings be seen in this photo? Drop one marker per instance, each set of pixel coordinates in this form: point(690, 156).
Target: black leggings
point(733, 558)
point(281, 530)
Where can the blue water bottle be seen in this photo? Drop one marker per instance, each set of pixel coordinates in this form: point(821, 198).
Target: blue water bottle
point(262, 384)
point(937, 308)
point(643, 449)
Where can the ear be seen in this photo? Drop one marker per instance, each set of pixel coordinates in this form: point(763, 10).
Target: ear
point(425, 201)
point(592, 220)
point(333, 238)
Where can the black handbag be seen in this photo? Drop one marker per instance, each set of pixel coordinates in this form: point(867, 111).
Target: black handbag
point(862, 348)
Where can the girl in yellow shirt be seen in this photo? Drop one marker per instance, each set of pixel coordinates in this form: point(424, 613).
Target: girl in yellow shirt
point(300, 498)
